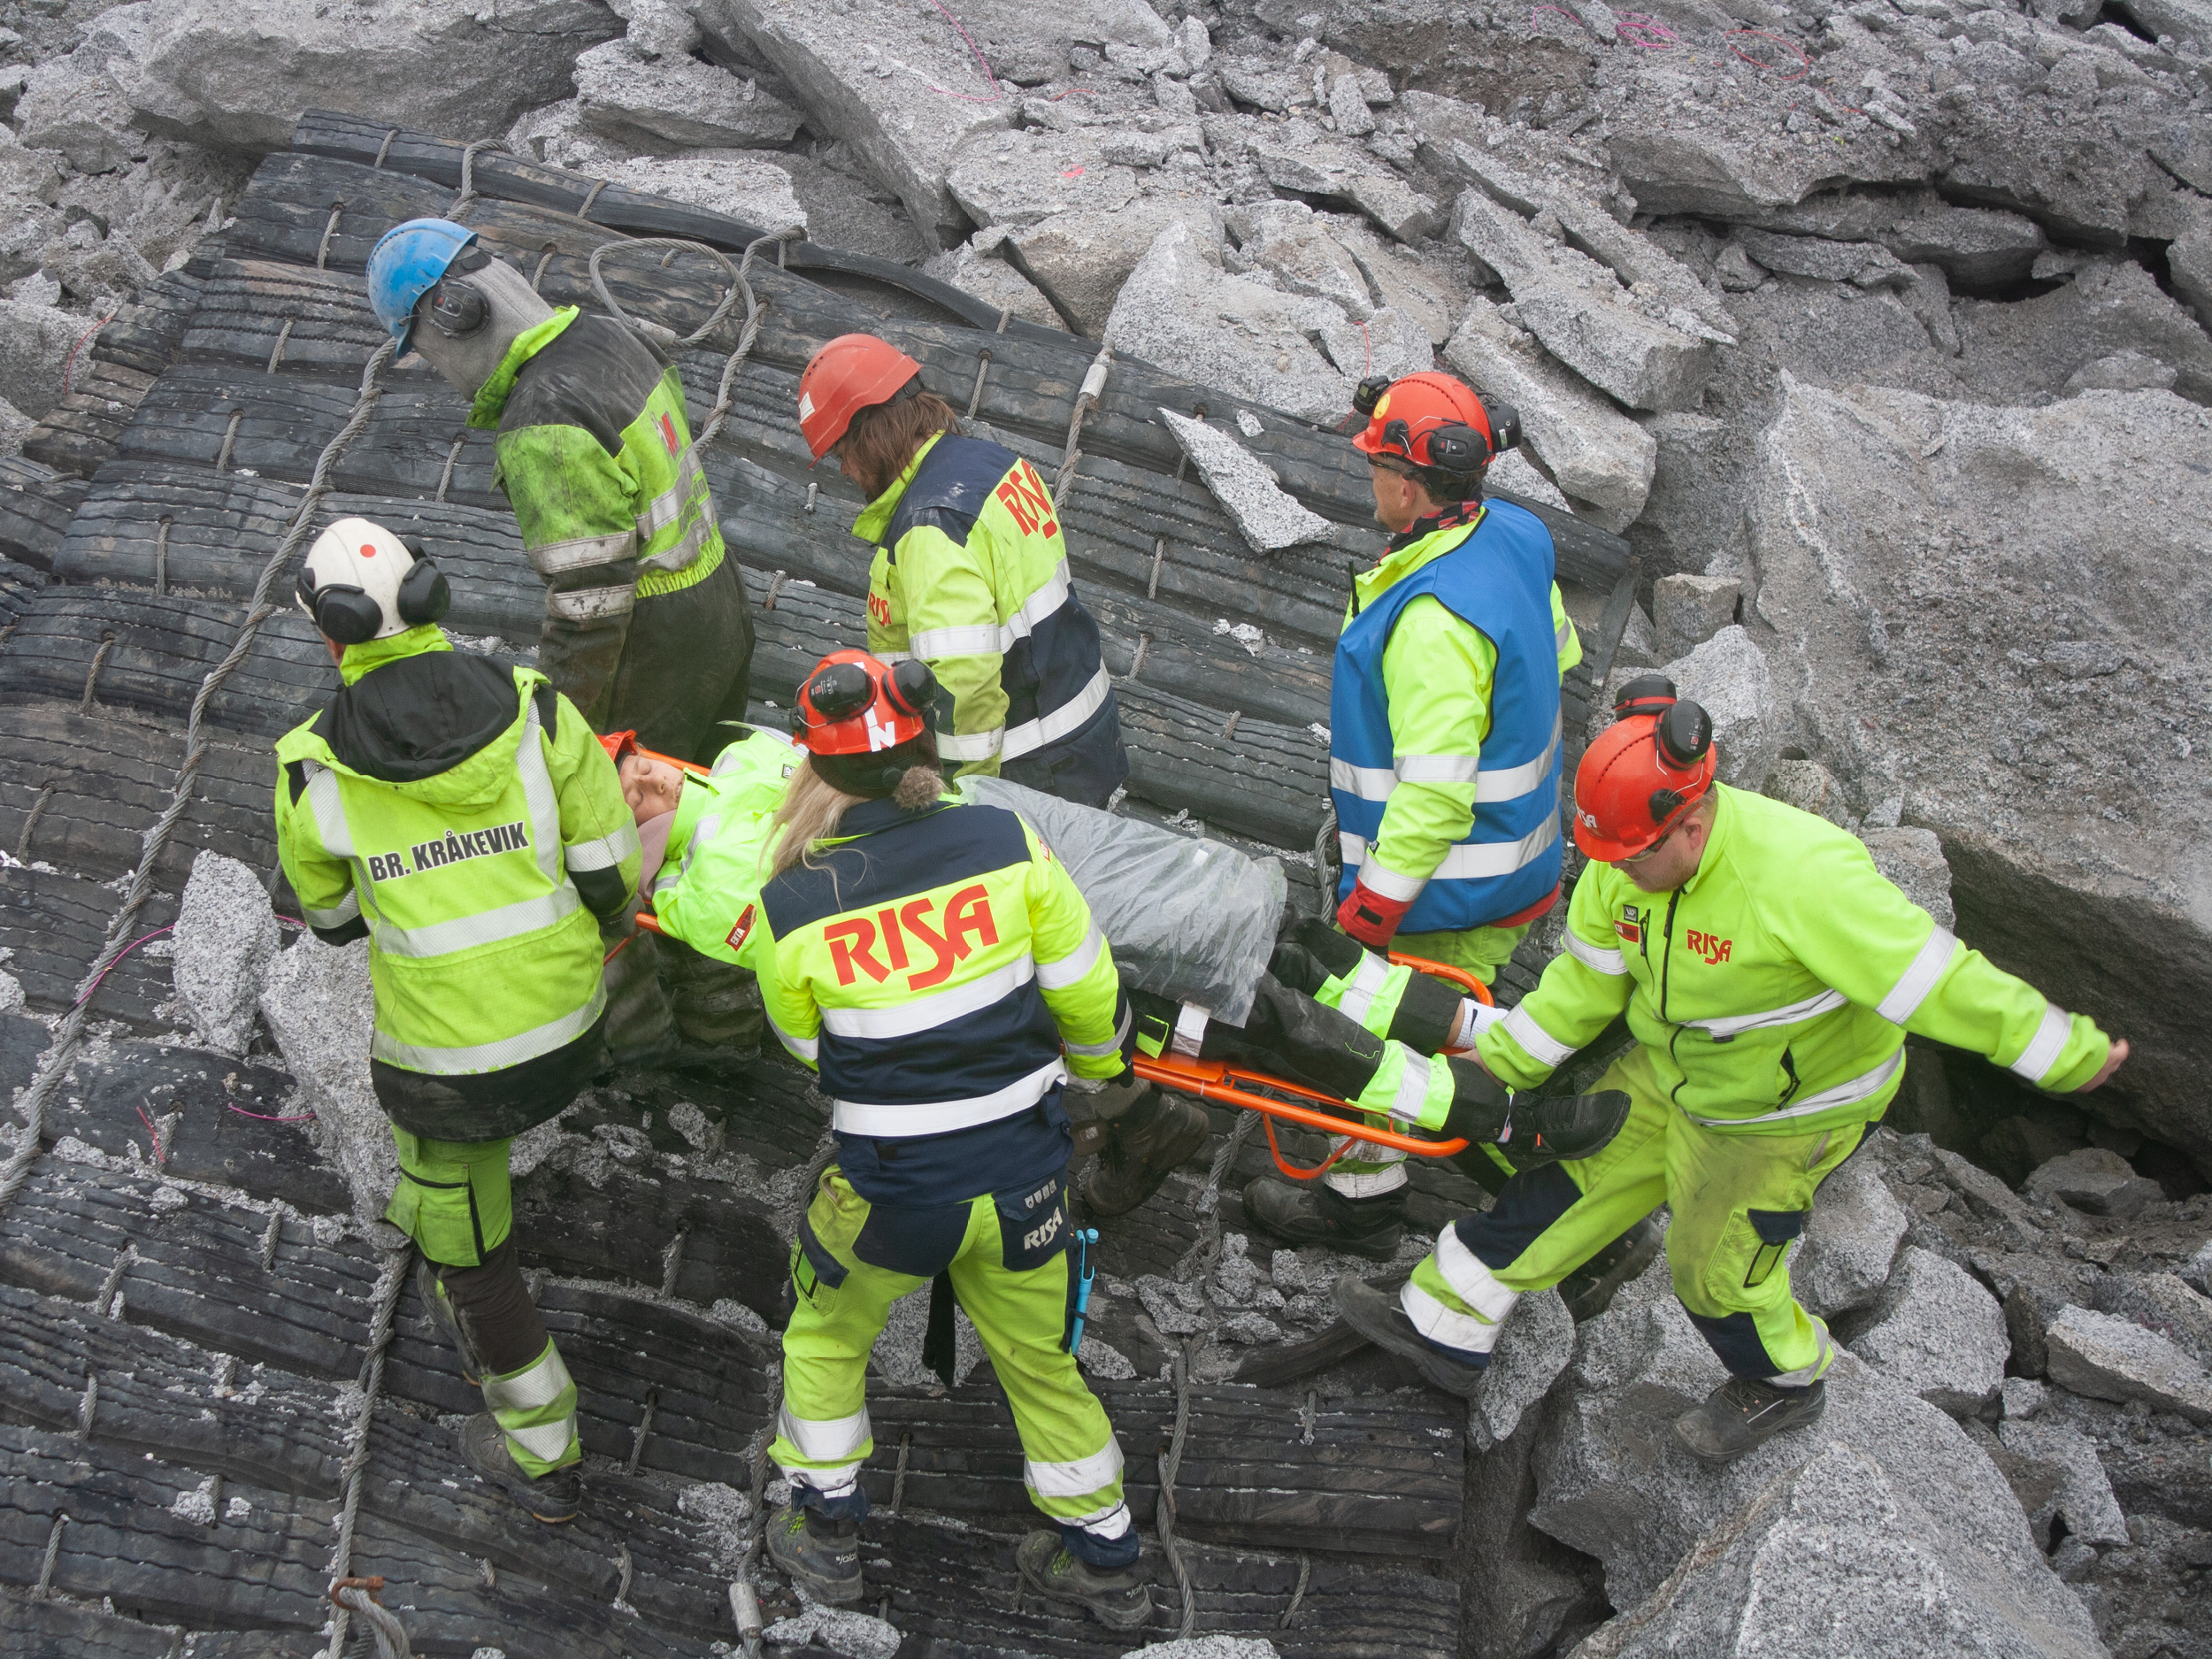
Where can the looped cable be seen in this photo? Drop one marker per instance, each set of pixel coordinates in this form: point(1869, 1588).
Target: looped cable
point(738, 288)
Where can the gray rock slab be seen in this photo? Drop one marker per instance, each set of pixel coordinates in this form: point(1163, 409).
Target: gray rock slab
point(11, 993)
point(2108, 1358)
point(240, 76)
point(681, 101)
point(1180, 308)
point(1850, 1240)
point(1854, 491)
point(1811, 787)
point(1297, 245)
point(1854, 1546)
point(2093, 1180)
point(1688, 610)
point(2085, 1497)
point(976, 267)
point(1980, 247)
point(1248, 488)
point(1913, 858)
point(1728, 675)
point(35, 344)
point(1535, 1349)
point(1638, 351)
point(317, 1002)
point(2161, 1303)
point(73, 108)
point(1296, 156)
point(2123, 372)
point(223, 938)
point(2036, 1288)
point(1937, 1333)
point(1614, 1483)
point(742, 183)
point(1595, 453)
point(1861, 263)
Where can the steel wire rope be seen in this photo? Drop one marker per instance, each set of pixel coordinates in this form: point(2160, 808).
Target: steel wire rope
point(357, 1458)
point(1164, 1518)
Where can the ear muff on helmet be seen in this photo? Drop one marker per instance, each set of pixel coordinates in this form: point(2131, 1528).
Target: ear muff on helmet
point(1458, 449)
point(423, 594)
point(1647, 693)
point(1685, 734)
point(459, 309)
point(341, 612)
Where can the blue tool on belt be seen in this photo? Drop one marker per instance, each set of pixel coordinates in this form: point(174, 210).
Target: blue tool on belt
point(1086, 1270)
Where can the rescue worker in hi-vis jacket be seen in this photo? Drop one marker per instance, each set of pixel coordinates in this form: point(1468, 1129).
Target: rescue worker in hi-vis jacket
point(936, 963)
point(1768, 974)
point(463, 819)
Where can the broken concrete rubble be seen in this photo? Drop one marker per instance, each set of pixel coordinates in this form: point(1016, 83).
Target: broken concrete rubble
point(2108, 1358)
point(1728, 676)
point(1689, 610)
point(622, 95)
point(1913, 858)
point(224, 937)
point(2095, 1181)
point(1248, 488)
point(1850, 1242)
point(741, 184)
point(317, 1001)
point(1935, 1333)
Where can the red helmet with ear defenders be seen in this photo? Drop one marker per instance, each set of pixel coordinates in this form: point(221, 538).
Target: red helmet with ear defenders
point(1642, 774)
point(1432, 419)
point(853, 703)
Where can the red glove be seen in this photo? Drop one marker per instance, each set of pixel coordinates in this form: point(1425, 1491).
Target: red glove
point(1370, 918)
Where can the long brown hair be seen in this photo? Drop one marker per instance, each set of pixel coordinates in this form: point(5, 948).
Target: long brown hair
point(883, 438)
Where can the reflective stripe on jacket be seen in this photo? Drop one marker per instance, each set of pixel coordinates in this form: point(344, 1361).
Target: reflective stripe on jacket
point(1493, 576)
point(707, 893)
point(940, 969)
point(470, 882)
point(971, 575)
point(595, 454)
point(1774, 988)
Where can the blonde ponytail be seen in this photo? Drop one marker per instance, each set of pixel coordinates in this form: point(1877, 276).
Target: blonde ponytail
point(810, 811)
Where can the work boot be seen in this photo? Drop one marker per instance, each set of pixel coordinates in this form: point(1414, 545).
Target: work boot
point(1744, 1413)
point(818, 1556)
point(1119, 1598)
point(440, 1308)
point(1379, 1317)
point(1313, 1212)
point(1557, 1128)
point(552, 1498)
point(1589, 1290)
point(1143, 1145)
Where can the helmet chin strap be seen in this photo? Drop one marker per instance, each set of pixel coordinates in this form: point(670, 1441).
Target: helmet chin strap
point(466, 361)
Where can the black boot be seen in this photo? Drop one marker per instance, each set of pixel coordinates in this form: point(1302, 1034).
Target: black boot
point(1312, 1212)
point(817, 1555)
point(1589, 1290)
point(550, 1497)
point(1143, 1145)
point(1744, 1413)
point(1379, 1317)
point(1531, 1129)
point(1117, 1599)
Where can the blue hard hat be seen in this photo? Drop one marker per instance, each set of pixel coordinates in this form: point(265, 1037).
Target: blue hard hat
point(408, 262)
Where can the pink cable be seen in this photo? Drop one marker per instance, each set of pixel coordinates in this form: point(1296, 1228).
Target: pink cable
point(1663, 38)
point(1367, 341)
point(1805, 63)
point(296, 1117)
point(1562, 12)
point(153, 1136)
point(69, 363)
point(989, 79)
point(112, 966)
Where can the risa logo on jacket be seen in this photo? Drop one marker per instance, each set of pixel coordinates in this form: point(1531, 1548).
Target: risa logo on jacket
point(1709, 946)
point(853, 941)
point(452, 848)
point(1022, 493)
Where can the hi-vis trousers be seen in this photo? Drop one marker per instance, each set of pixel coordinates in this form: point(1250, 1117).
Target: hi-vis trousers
point(1739, 1200)
point(1007, 1257)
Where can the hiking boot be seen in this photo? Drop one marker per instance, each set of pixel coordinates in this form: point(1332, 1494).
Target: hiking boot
point(440, 1308)
point(1743, 1414)
point(1377, 1316)
point(1312, 1212)
point(1143, 1146)
point(1119, 1598)
point(818, 1556)
point(552, 1498)
point(1589, 1290)
point(1556, 1128)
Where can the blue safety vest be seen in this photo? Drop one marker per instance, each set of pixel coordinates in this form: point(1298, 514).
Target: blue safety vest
point(1499, 579)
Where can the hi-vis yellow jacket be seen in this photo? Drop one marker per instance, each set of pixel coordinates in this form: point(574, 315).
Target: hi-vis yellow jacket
point(1774, 988)
point(940, 969)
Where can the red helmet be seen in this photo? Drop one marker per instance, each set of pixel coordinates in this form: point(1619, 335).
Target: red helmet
point(1643, 772)
point(619, 745)
point(850, 373)
point(1432, 420)
point(854, 703)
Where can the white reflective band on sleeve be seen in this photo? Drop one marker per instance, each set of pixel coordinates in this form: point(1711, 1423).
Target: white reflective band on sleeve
point(537, 790)
point(824, 1439)
point(1472, 1280)
point(679, 556)
point(1366, 983)
point(970, 745)
point(329, 810)
point(808, 1048)
point(1077, 1478)
point(1386, 883)
point(1860, 1087)
point(1563, 635)
point(338, 915)
point(1413, 1088)
point(1473, 860)
point(1521, 1025)
point(927, 1013)
point(2045, 1046)
point(485, 927)
point(1511, 783)
point(1069, 969)
point(665, 508)
point(1919, 977)
point(1731, 1024)
point(1594, 956)
point(972, 639)
point(490, 1056)
point(937, 1117)
point(1071, 715)
point(1191, 1020)
point(583, 552)
point(535, 1387)
point(1437, 768)
point(606, 852)
point(1369, 783)
point(1112, 1045)
point(590, 605)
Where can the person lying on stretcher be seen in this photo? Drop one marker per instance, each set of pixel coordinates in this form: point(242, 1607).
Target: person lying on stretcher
point(1324, 1012)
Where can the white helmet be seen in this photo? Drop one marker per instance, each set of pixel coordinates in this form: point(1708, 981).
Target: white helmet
point(359, 582)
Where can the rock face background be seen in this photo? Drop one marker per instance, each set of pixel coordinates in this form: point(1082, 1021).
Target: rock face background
point(1876, 329)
